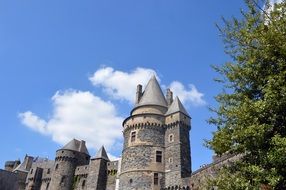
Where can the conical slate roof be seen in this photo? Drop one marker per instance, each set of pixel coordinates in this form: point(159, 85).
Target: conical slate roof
point(76, 145)
point(101, 154)
point(153, 94)
point(177, 106)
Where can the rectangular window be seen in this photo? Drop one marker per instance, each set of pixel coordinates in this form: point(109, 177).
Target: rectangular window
point(156, 179)
point(133, 136)
point(158, 156)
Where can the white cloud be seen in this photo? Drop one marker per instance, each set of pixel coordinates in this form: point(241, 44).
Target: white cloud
point(79, 115)
point(84, 116)
point(119, 84)
point(34, 122)
point(122, 85)
point(112, 157)
point(187, 95)
point(272, 2)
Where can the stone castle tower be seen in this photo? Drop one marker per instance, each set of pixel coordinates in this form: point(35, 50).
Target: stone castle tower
point(156, 152)
point(155, 156)
point(67, 159)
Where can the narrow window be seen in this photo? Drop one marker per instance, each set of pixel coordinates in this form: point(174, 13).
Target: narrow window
point(57, 166)
point(83, 183)
point(156, 179)
point(158, 156)
point(170, 160)
point(133, 136)
point(63, 179)
point(31, 171)
point(47, 187)
point(171, 138)
point(48, 172)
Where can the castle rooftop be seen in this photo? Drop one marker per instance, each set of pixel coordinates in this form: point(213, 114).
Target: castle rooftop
point(76, 145)
point(153, 94)
point(177, 106)
point(101, 154)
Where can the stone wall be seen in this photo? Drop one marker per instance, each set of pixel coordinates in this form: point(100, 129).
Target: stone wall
point(172, 156)
point(80, 177)
point(8, 180)
point(22, 176)
point(177, 149)
point(39, 176)
point(34, 182)
point(208, 171)
point(97, 175)
point(186, 169)
point(112, 171)
point(142, 180)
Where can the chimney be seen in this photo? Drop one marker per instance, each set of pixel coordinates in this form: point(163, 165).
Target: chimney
point(169, 97)
point(28, 161)
point(138, 93)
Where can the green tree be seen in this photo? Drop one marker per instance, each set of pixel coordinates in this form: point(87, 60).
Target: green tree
point(250, 118)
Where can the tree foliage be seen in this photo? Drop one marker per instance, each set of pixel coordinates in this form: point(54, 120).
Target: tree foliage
point(251, 116)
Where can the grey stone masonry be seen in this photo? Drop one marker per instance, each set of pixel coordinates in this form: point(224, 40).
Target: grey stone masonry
point(8, 180)
point(156, 150)
point(64, 169)
point(97, 176)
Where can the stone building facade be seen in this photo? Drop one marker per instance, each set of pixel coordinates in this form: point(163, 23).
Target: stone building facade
point(156, 154)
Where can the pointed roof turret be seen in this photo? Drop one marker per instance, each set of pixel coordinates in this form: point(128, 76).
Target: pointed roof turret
point(101, 154)
point(153, 94)
point(177, 106)
point(76, 145)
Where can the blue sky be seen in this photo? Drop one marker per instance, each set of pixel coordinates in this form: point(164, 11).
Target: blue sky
point(69, 68)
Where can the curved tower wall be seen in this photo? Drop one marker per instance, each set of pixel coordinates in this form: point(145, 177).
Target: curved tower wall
point(65, 163)
point(139, 165)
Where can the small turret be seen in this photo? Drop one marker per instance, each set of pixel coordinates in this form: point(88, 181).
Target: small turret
point(177, 142)
point(175, 107)
point(67, 159)
point(97, 177)
point(101, 154)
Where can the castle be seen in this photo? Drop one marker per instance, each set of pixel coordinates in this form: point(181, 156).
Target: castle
point(156, 154)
